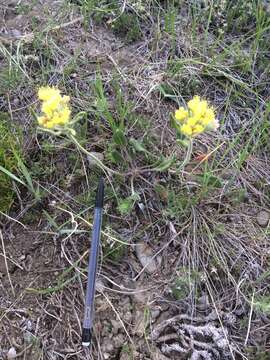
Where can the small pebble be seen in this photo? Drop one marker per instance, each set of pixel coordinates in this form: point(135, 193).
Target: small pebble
point(128, 316)
point(119, 340)
point(139, 323)
point(109, 347)
point(11, 353)
point(140, 296)
point(16, 101)
point(15, 33)
point(203, 303)
point(92, 162)
point(100, 286)
point(116, 326)
point(154, 314)
point(146, 257)
point(263, 218)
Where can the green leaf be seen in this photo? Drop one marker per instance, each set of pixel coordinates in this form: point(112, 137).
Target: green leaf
point(137, 145)
point(115, 156)
point(167, 91)
point(162, 191)
point(12, 176)
point(119, 137)
point(164, 164)
point(126, 205)
point(209, 180)
point(79, 116)
point(183, 142)
point(262, 303)
point(27, 176)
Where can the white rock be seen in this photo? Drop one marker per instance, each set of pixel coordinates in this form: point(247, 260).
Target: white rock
point(91, 161)
point(145, 256)
point(263, 218)
point(12, 353)
point(155, 314)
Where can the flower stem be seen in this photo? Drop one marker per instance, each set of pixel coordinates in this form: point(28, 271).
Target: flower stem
point(105, 168)
point(188, 154)
point(107, 171)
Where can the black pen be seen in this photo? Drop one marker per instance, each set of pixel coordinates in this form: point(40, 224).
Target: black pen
point(92, 267)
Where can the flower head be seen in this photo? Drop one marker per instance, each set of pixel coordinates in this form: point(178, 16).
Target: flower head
point(55, 108)
point(197, 118)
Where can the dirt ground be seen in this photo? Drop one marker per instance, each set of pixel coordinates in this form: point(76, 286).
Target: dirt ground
point(187, 303)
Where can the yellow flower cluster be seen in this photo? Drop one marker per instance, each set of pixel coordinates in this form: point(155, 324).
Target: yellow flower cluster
point(197, 118)
point(55, 108)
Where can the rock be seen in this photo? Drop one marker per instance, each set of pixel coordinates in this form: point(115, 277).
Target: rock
point(126, 302)
point(140, 323)
point(145, 256)
point(128, 316)
point(124, 356)
point(100, 285)
point(107, 348)
point(203, 303)
point(116, 326)
point(140, 295)
point(12, 353)
point(263, 218)
point(157, 355)
point(155, 314)
point(15, 33)
point(91, 161)
point(119, 341)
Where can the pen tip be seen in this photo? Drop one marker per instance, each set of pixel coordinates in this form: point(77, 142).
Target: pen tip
point(86, 337)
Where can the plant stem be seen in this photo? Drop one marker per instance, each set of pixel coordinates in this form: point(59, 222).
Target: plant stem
point(107, 171)
point(188, 155)
point(99, 162)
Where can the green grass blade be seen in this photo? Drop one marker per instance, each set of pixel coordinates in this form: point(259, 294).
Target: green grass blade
point(12, 176)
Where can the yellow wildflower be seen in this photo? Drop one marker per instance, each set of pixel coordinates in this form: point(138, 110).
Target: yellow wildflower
point(45, 93)
point(192, 121)
point(200, 109)
point(208, 117)
point(41, 119)
point(198, 129)
point(181, 114)
point(193, 103)
point(65, 114)
point(197, 118)
point(55, 108)
point(186, 130)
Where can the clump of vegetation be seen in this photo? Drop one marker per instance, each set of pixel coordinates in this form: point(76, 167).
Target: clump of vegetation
point(123, 23)
point(8, 163)
point(127, 26)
